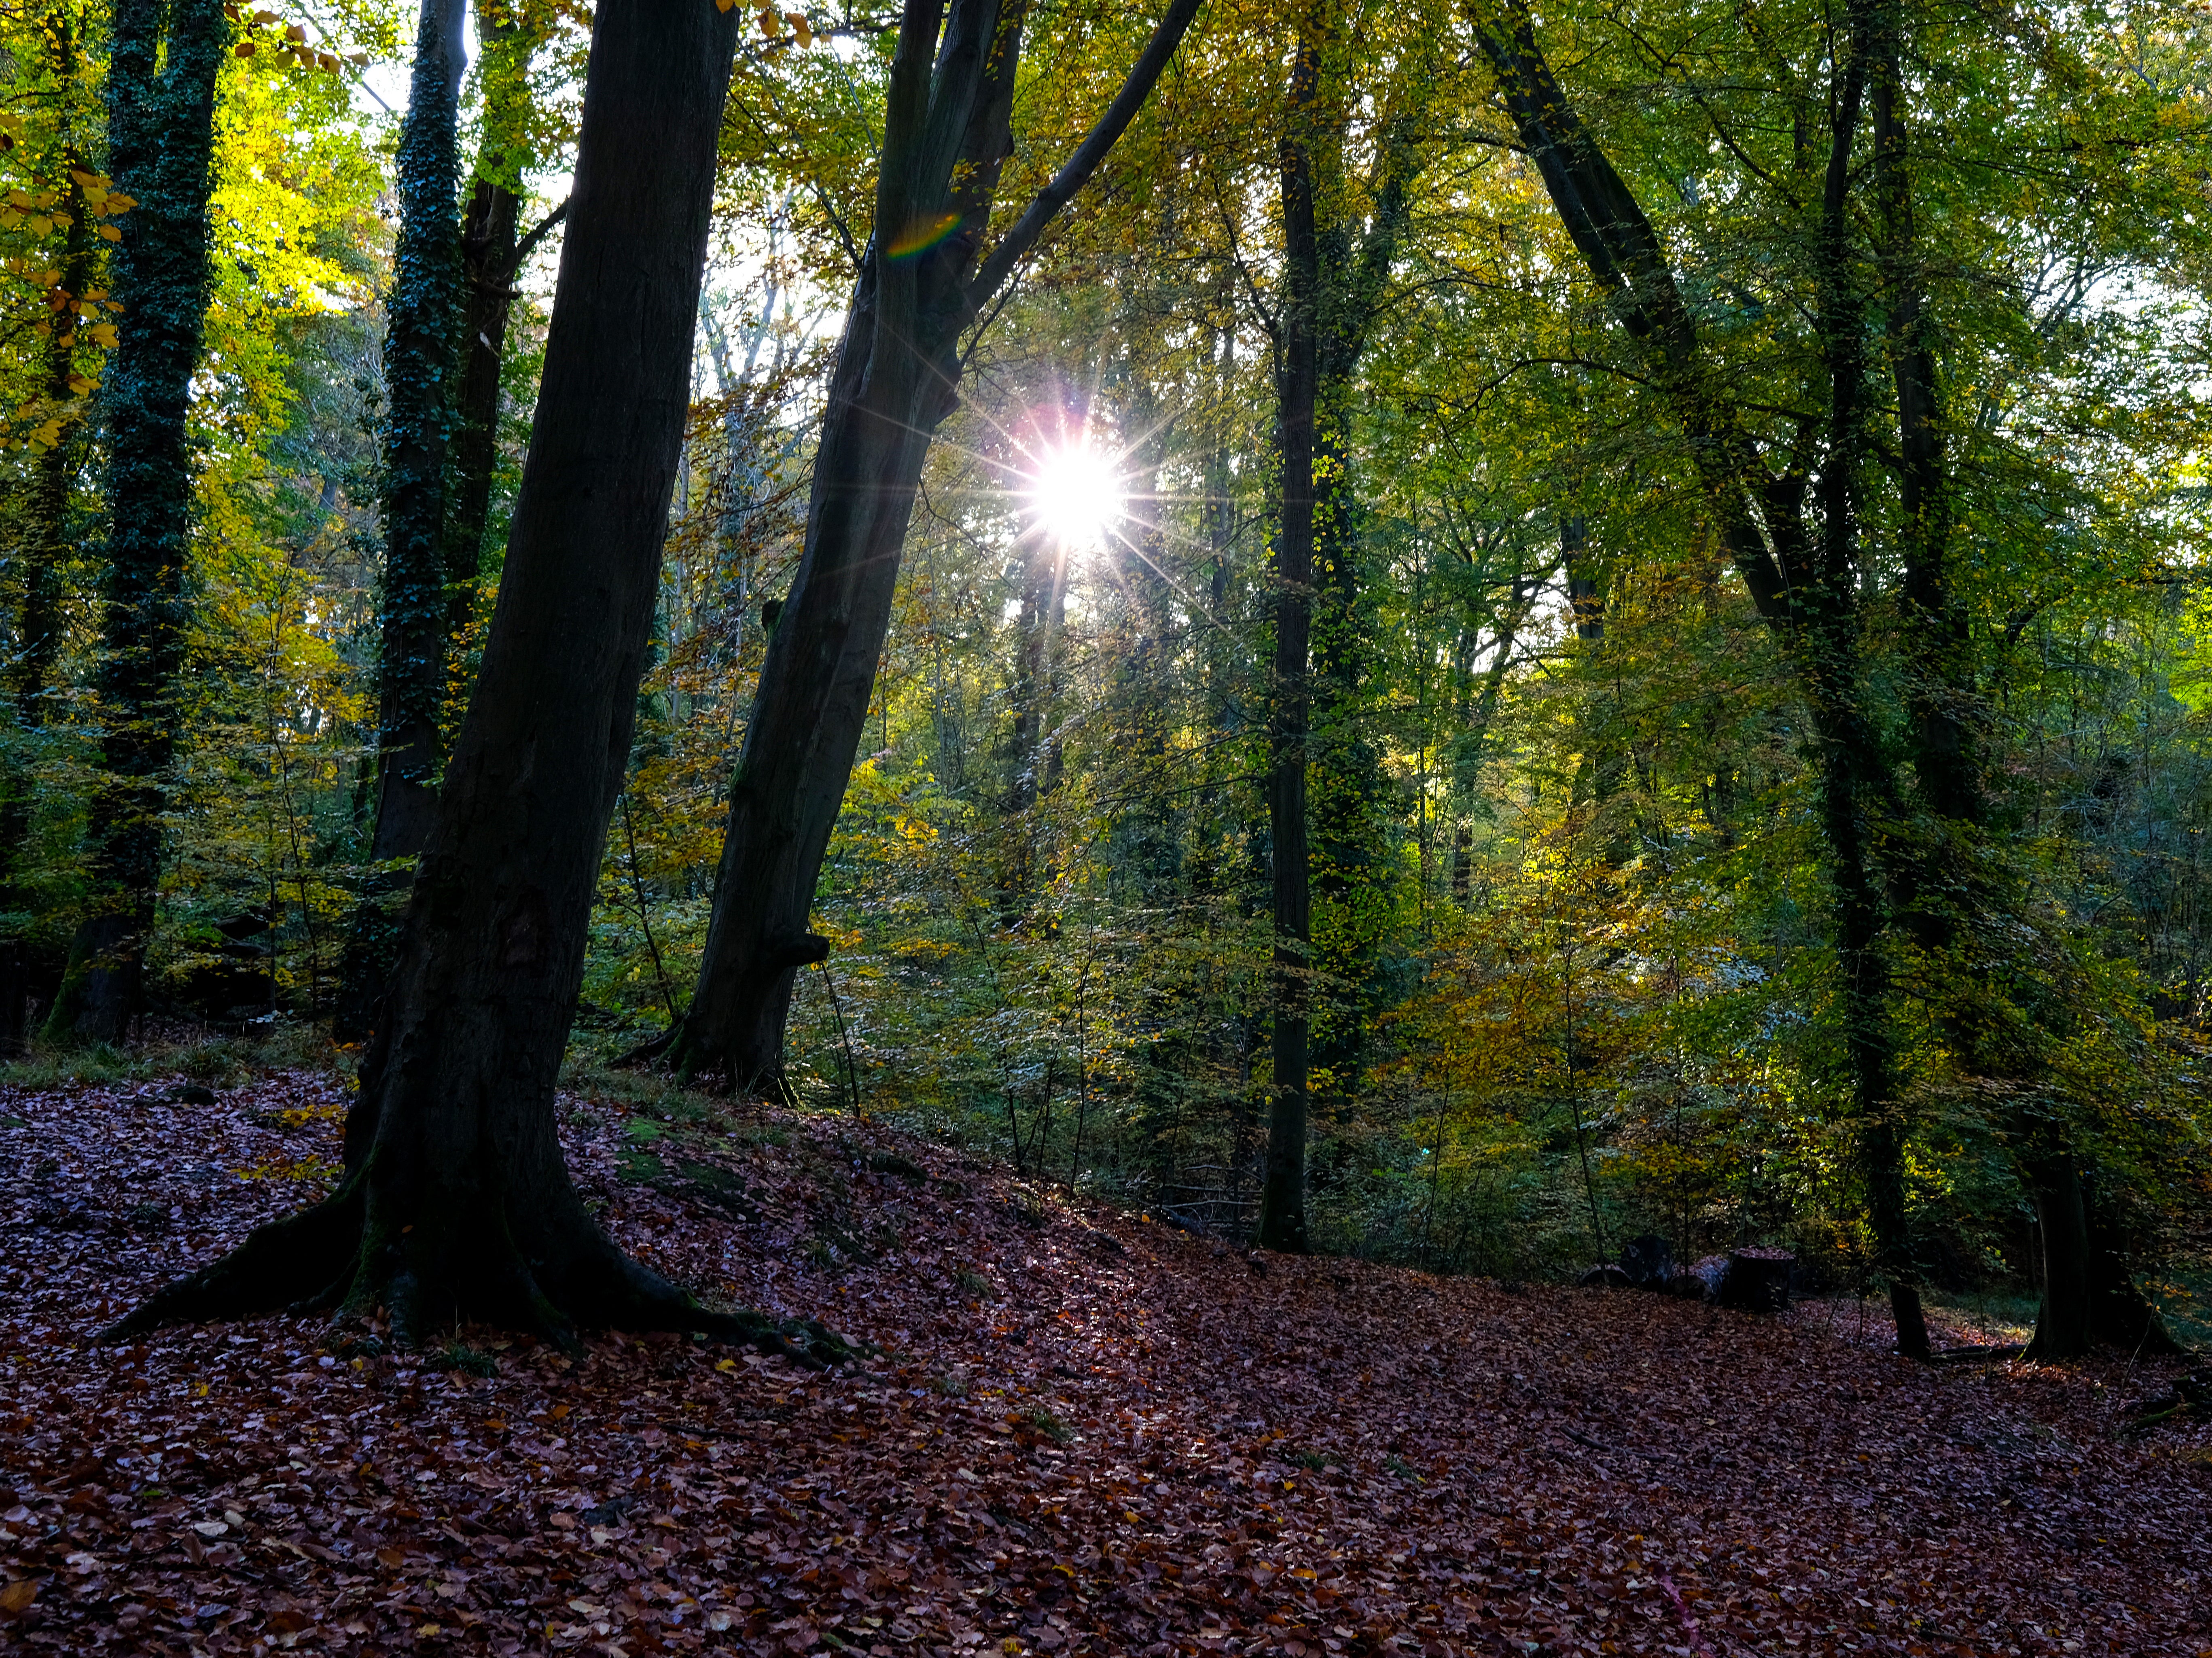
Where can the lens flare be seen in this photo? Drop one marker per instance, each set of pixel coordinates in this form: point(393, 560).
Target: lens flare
point(1076, 497)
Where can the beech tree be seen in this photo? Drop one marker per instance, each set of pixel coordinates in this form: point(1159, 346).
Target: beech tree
point(456, 1201)
point(1336, 262)
point(946, 134)
point(160, 143)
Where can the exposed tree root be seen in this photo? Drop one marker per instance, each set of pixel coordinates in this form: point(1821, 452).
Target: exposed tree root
point(341, 1255)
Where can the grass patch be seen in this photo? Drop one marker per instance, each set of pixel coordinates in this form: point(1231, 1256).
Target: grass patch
point(1996, 1315)
point(1047, 1425)
point(973, 1283)
point(470, 1361)
point(213, 1060)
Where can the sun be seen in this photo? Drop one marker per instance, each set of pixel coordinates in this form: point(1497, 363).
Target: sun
point(1076, 497)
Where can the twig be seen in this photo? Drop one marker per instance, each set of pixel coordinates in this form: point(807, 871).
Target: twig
point(852, 1076)
point(644, 920)
point(1682, 1610)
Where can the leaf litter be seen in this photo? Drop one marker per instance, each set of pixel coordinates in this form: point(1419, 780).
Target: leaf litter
point(1082, 1432)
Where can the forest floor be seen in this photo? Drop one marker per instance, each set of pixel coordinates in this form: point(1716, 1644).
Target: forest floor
point(1085, 1433)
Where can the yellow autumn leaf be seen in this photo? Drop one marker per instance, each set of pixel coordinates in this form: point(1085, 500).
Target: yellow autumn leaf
point(111, 233)
point(800, 27)
point(103, 333)
point(120, 204)
point(296, 32)
point(770, 24)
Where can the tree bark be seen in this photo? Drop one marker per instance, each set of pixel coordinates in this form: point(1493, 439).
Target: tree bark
point(457, 1203)
point(2090, 1297)
point(946, 134)
point(160, 81)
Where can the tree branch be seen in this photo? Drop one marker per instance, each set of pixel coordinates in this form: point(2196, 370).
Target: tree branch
point(538, 232)
point(1089, 153)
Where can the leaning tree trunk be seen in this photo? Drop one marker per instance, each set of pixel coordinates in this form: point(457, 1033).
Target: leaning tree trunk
point(161, 78)
point(946, 133)
point(418, 361)
point(457, 1203)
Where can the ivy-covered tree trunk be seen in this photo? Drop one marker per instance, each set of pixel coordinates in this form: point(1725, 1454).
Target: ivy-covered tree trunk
point(161, 80)
point(946, 134)
point(421, 311)
point(1282, 1221)
point(1351, 869)
point(52, 529)
point(457, 1203)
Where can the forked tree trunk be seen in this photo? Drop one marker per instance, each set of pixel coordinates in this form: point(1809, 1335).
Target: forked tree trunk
point(160, 81)
point(457, 1202)
point(946, 134)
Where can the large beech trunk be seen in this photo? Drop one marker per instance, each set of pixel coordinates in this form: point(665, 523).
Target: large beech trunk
point(457, 1202)
point(160, 83)
point(946, 135)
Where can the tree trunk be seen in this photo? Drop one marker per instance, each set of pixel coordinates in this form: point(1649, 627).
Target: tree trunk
point(897, 378)
point(1033, 694)
point(52, 536)
point(1282, 1223)
point(2090, 1295)
point(160, 81)
point(457, 1203)
point(418, 370)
